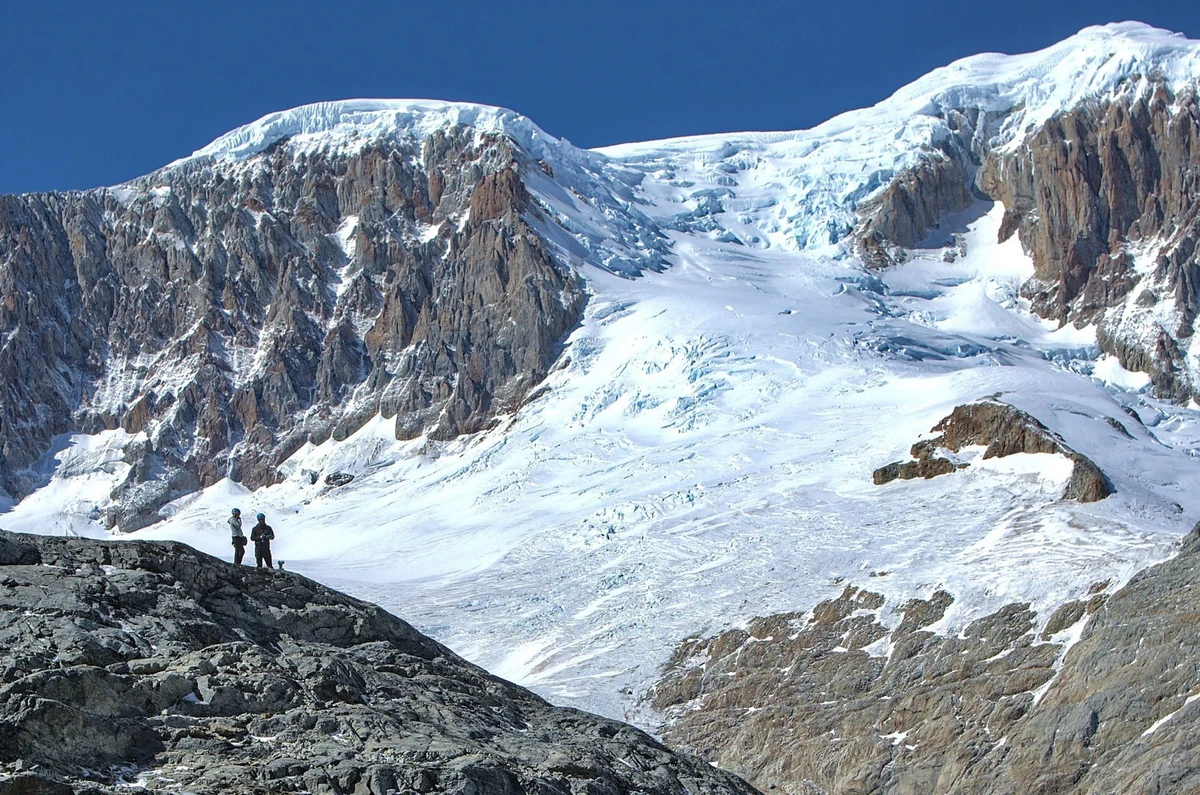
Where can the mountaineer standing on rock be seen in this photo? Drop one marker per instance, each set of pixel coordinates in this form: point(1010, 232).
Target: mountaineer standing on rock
point(261, 535)
point(239, 538)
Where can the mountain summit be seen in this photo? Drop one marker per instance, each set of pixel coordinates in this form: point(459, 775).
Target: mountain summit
point(326, 125)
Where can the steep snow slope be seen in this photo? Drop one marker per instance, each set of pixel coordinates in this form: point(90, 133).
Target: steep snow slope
point(703, 452)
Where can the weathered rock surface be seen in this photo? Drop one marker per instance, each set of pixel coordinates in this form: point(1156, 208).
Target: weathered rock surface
point(1106, 200)
point(1003, 430)
point(1097, 189)
point(835, 702)
point(917, 200)
point(152, 663)
point(225, 314)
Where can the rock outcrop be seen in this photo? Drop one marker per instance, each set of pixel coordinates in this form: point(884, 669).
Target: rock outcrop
point(151, 665)
point(835, 702)
point(223, 314)
point(1003, 430)
point(916, 201)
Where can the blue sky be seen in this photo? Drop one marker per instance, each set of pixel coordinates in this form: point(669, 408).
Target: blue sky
point(97, 93)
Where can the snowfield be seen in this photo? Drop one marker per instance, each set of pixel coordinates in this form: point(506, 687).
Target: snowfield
point(703, 452)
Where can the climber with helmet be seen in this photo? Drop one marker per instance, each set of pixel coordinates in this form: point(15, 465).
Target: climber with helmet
point(239, 538)
point(261, 535)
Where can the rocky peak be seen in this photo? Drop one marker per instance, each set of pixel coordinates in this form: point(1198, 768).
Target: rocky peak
point(224, 319)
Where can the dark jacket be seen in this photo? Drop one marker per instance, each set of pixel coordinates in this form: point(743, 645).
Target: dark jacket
point(262, 534)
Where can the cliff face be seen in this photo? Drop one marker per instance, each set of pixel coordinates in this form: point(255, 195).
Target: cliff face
point(1105, 198)
point(152, 663)
point(223, 314)
point(1093, 698)
point(1094, 180)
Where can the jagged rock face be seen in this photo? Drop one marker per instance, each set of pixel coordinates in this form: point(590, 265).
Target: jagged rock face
point(910, 206)
point(1004, 430)
point(1092, 180)
point(836, 702)
point(152, 662)
point(226, 313)
point(1105, 200)
point(1092, 192)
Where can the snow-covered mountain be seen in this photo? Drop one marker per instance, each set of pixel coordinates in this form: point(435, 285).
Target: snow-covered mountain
point(237, 304)
point(595, 403)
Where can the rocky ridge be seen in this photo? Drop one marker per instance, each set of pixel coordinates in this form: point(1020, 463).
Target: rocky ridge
point(1003, 430)
point(1104, 198)
point(1096, 697)
point(144, 666)
point(226, 310)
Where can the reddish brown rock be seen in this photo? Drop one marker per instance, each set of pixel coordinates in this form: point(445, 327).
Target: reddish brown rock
point(1004, 430)
point(1086, 187)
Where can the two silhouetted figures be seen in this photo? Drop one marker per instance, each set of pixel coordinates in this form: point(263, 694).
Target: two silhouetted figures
point(261, 534)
